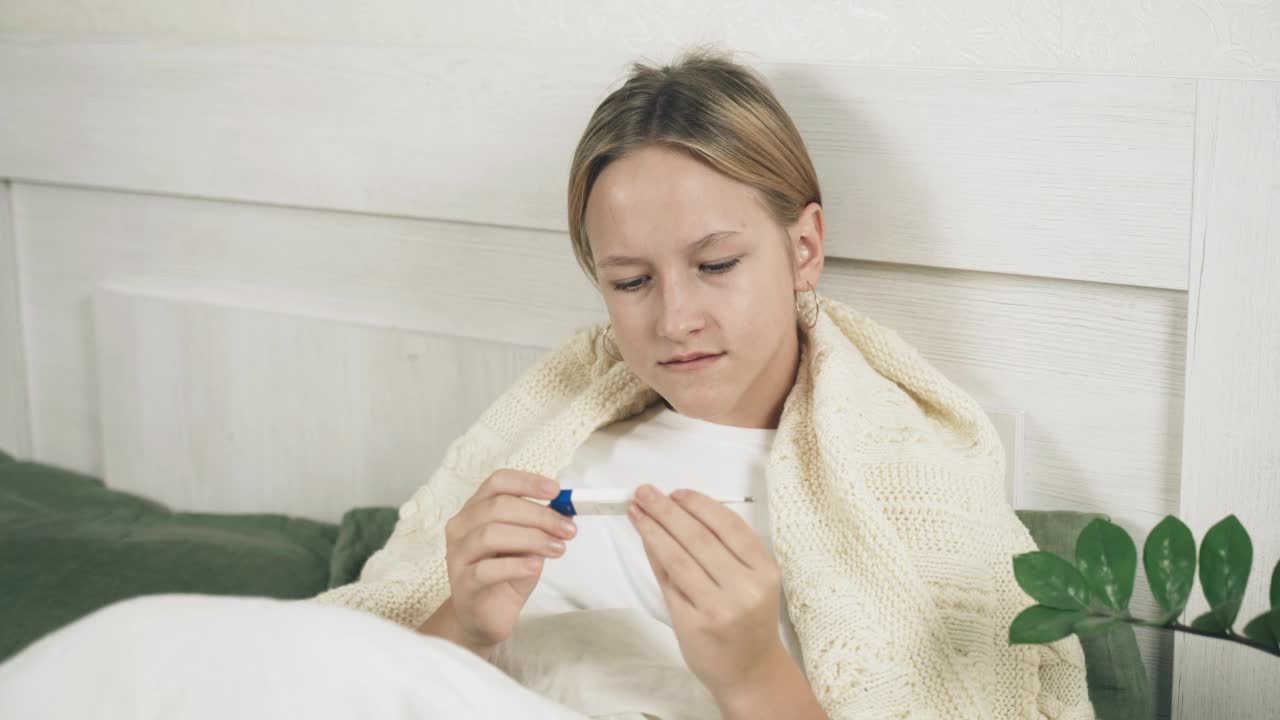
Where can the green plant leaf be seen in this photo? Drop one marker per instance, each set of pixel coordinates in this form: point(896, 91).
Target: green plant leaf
point(1042, 624)
point(1169, 556)
point(1108, 560)
point(1051, 580)
point(1265, 628)
point(1225, 557)
point(1209, 622)
point(1095, 625)
point(1275, 586)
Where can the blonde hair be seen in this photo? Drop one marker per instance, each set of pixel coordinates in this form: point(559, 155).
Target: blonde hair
point(717, 110)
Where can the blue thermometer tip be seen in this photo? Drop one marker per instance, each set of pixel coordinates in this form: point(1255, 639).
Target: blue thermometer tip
point(563, 503)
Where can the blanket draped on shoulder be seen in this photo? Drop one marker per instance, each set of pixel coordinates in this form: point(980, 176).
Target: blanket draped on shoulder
point(888, 522)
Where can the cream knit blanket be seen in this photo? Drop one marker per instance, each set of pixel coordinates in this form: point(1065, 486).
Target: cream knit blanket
point(888, 520)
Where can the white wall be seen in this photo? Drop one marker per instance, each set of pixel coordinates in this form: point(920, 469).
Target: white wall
point(213, 208)
point(1235, 38)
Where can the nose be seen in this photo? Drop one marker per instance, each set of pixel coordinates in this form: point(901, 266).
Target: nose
point(681, 313)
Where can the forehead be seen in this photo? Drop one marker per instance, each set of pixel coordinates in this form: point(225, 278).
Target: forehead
point(663, 195)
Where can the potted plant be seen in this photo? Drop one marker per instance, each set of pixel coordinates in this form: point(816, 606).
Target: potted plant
point(1092, 595)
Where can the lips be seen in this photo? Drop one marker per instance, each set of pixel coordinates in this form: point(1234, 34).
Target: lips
point(700, 362)
point(688, 357)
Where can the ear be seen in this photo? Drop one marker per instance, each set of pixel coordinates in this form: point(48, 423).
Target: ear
point(807, 242)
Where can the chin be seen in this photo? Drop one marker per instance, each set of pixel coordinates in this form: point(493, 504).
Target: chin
point(698, 404)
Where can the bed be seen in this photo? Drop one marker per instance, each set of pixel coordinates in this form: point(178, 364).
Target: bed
point(70, 545)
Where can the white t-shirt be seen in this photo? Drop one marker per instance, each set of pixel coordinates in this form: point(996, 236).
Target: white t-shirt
point(604, 565)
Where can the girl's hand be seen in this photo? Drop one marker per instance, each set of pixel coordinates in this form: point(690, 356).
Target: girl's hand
point(495, 547)
point(720, 584)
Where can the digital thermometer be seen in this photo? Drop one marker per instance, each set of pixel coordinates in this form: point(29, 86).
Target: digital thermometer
point(608, 501)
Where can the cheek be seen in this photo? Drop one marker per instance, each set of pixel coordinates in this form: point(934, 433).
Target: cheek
point(629, 330)
point(759, 315)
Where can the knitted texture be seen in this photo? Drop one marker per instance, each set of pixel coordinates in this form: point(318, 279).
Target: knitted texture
point(888, 521)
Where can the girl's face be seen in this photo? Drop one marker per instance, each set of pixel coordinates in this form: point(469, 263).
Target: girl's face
point(690, 262)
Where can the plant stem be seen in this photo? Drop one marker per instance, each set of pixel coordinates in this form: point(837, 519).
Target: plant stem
point(1229, 635)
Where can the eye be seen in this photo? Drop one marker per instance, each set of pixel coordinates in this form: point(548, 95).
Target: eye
point(714, 268)
point(723, 267)
point(628, 286)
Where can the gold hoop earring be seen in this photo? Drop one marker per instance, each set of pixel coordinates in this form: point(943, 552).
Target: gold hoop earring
point(817, 309)
point(607, 341)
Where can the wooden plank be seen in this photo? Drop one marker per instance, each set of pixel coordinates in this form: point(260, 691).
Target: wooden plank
point(222, 409)
point(1071, 176)
point(1132, 38)
point(499, 284)
point(15, 428)
point(1068, 176)
point(1231, 457)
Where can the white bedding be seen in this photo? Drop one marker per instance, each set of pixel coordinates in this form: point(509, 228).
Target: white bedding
point(166, 657)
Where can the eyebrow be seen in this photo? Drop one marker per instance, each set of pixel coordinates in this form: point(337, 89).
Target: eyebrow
point(707, 241)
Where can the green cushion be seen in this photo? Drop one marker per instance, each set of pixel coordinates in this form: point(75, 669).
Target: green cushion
point(1118, 684)
point(361, 533)
point(69, 546)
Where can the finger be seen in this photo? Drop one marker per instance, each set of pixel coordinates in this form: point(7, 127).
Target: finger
point(515, 482)
point(734, 532)
point(682, 570)
point(496, 570)
point(675, 598)
point(496, 539)
point(514, 510)
point(697, 539)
